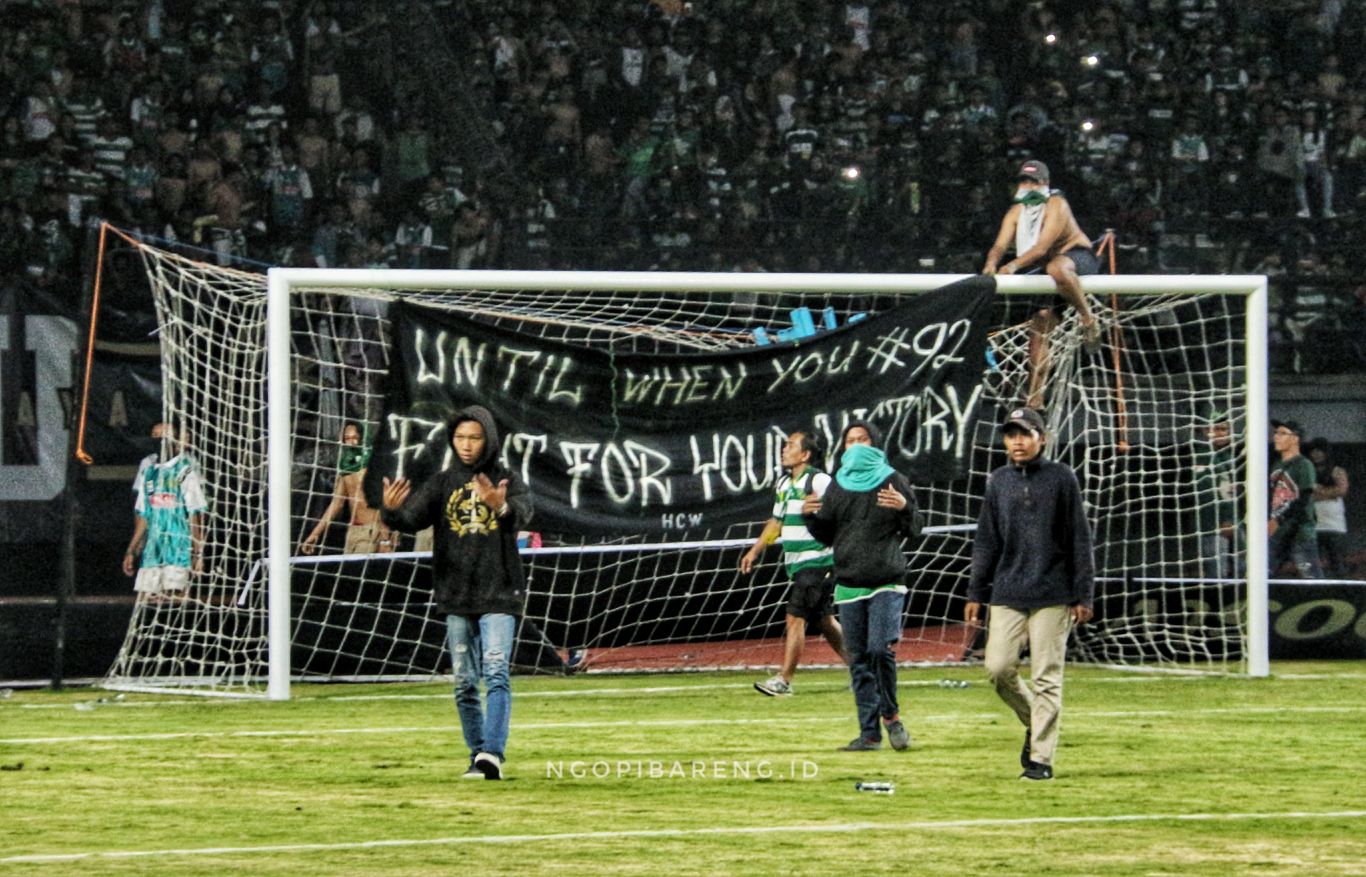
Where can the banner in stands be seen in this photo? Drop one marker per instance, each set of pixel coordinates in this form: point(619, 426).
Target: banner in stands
point(616, 443)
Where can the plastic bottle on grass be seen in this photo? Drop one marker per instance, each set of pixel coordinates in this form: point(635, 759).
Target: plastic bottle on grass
point(877, 788)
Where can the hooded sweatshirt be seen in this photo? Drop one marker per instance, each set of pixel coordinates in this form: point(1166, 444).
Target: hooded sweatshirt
point(866, 538)
point(475, 565)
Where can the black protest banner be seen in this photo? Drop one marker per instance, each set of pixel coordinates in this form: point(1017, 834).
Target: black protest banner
point(621, 443)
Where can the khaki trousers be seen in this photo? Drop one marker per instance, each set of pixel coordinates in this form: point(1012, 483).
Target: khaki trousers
point(1038, 705)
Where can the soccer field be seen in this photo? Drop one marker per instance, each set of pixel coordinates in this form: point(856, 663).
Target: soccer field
point(693, 774)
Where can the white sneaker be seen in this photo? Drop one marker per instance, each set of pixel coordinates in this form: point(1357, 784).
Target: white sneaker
point(472, 772)
point(490, 765)
point(776, 686)
point(1330, 214)
point(1303, 214)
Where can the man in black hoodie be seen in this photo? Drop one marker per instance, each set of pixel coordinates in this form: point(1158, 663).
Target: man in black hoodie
point(866, 513)
point(476, 507)
point(1032, 561)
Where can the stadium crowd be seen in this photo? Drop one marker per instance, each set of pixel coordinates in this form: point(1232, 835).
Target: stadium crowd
point(783, 135)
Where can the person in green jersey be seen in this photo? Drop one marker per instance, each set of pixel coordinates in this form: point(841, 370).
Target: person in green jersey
point(1217, 480)
point(866, 515)
point(809, 563)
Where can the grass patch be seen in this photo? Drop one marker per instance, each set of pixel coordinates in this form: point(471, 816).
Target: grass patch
point(693, 774)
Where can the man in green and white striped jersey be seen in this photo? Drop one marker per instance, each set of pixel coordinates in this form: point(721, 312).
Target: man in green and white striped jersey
point(809, 563)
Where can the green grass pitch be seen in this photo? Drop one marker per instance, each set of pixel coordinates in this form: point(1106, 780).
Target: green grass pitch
point(693, 774)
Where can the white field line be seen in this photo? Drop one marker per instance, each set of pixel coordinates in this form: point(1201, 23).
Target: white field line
point(633, 834)
point(106, 701)
point(1073, 715)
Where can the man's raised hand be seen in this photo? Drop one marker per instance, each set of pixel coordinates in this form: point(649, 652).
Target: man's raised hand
point(396, 492)
point(493, 497)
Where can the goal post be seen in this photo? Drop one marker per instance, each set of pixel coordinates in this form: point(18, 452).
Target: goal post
point(284, 282)
point(264, 375)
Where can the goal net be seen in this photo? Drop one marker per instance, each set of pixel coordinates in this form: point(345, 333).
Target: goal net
point(280, 404)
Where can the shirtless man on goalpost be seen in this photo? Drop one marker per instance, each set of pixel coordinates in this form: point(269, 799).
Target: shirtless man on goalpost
point(1044, 232)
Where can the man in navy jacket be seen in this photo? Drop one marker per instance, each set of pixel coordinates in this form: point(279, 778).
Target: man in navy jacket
point(1032, 562)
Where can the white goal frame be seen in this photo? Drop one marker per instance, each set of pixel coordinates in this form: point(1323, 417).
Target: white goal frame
point(282, 283)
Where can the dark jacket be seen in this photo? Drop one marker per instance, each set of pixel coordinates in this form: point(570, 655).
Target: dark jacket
point(475, 565)
point(1033, 543)
point(867, 539)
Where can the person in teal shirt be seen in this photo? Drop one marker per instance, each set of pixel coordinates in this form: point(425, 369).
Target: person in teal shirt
point(168, 535)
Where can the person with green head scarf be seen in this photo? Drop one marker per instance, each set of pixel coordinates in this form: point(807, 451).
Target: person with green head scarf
point(365, 532)
point(1045, 235)
point(866, 514)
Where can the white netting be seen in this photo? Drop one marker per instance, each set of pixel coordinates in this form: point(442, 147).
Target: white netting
point(1131, 420)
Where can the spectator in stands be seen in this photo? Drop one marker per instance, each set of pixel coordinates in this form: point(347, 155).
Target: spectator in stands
point(1317, 150)
point(1032, 563)
point(1190, 160)
point(1354, 165)
point(291, 191)
point(1290, 530)
point(273, 53)
point(867, 511)
point(874, 81)
point(1330, 510)
point(412, 161)
point(324, 84)
point(40, 112)
point(1280, 158)
point(412, 240)
point(476, 506)
point(809, 563)
point(168, 533)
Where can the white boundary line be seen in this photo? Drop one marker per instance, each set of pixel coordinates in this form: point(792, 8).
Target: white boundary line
point(1073, 714)
point(631, 834)
point(1128, 678)
point(105, 702)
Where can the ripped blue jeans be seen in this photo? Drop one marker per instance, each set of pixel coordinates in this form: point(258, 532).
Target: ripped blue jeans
point(481, 648)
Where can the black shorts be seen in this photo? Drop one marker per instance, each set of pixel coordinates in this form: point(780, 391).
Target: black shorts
point(812, 595)
point(1085, 262)
point(1084, 259)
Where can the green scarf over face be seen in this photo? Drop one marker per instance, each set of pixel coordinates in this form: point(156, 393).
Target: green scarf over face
point(1030, 197)
point(862, 468)
point(353, 458)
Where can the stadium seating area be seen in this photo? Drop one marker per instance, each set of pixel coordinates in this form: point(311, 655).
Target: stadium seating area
point(1211, 135)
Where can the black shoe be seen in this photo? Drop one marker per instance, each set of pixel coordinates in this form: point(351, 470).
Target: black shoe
point(860, 744)
point(1024, 750)
point(490, 764)
point(1037, 771)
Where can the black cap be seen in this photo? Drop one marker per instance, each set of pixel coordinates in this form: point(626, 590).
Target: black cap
point(1292, 425)
point(1025, 418)
point(1034, 170)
